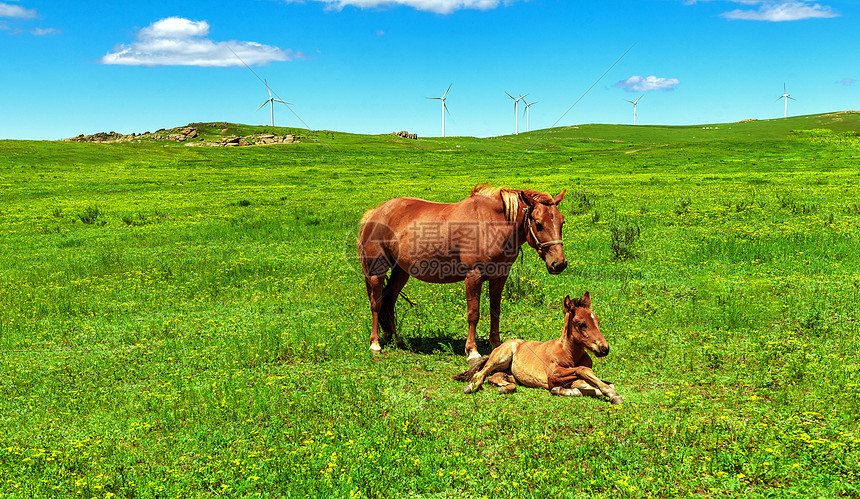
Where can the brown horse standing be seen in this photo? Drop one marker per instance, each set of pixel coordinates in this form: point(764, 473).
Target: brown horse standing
point(475, 240)
point(562, 365)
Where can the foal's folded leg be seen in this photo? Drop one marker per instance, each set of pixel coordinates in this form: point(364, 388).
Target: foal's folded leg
point(575, 388)
point(506, 382)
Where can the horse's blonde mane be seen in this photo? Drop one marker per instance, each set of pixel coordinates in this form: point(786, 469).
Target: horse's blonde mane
point(510, 198)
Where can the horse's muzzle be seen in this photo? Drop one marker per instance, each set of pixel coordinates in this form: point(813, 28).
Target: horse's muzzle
point(556, 267)
point(601, 351)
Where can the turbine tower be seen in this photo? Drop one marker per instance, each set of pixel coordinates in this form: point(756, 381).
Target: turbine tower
point(444, 107)
point(516, 112)
point(526, 112)
point(786, 97)
point(635, 102)
point(271, 102)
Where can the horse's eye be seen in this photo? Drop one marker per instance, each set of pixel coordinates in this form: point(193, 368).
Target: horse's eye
point(539, 226)
point(582, 325)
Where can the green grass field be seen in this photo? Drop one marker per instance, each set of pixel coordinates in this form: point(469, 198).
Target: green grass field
point(189, 322)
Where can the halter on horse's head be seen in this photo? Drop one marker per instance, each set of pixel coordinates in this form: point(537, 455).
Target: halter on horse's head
point(542, 222)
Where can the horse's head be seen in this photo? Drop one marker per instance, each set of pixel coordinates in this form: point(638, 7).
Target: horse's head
point(582, 327)
point(543, 224)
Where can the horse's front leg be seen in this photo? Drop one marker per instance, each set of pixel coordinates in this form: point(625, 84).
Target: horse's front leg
point(474, 281)
point(564, 376)
point(496, 286)
point(576, 388)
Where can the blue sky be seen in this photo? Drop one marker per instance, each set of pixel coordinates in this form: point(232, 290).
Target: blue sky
point(368, 66)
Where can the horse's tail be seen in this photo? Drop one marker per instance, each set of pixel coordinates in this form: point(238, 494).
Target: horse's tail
point(466, 376)
point(361, 239)
point(362, 224)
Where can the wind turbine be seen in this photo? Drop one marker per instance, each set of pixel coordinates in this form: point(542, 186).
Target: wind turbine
point(634, 102)
point(526, 112)
point(516, 112)
point(271, 102)
point(444, 107)
point(786, 97)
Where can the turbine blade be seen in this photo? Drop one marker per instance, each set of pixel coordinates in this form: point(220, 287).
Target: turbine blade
point(790, 97)
point(261, 105)
point(446, 107)
point(435, 98)
point(446, 91)
point(509, 95)
point(637, 100)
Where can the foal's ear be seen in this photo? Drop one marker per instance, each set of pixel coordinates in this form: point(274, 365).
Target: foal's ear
point(585, 301)
point(568, 303)
point(560, 196)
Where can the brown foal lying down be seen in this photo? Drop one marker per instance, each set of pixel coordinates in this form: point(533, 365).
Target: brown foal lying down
point(561, 366)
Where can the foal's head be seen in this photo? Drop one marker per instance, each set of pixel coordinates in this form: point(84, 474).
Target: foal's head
point(543, 228)
point(582, 327)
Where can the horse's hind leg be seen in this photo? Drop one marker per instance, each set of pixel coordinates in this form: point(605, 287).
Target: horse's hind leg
point(506, 382)
point(375, 264)
point(390, 293)
point(500, 360)
point(374, 285)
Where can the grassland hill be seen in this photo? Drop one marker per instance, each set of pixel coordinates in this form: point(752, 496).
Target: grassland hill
point(193, 321)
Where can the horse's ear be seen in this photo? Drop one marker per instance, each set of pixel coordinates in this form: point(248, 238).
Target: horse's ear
point(585, 301)
point(560, 196)
point(568, 303)
point(527, 196)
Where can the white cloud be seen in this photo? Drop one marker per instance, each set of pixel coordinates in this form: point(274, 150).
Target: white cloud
point(645, 84)
point(437, 6)
point(45, 31)
point(778, 10)
point(9, 10)
point(846, 81)
point(176, 41)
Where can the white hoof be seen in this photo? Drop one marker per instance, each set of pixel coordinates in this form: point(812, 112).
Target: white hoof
point(473, 355)
point(468, 389)
point(375, 348)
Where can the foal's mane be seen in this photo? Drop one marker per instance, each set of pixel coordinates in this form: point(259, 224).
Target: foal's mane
point(510, 198)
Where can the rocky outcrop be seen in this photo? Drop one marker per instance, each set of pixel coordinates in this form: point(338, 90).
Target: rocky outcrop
point(265, 139)
point(405, 135)
point(249, 140)
point(177, 135)
point(192, 131)
point(102, 138)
